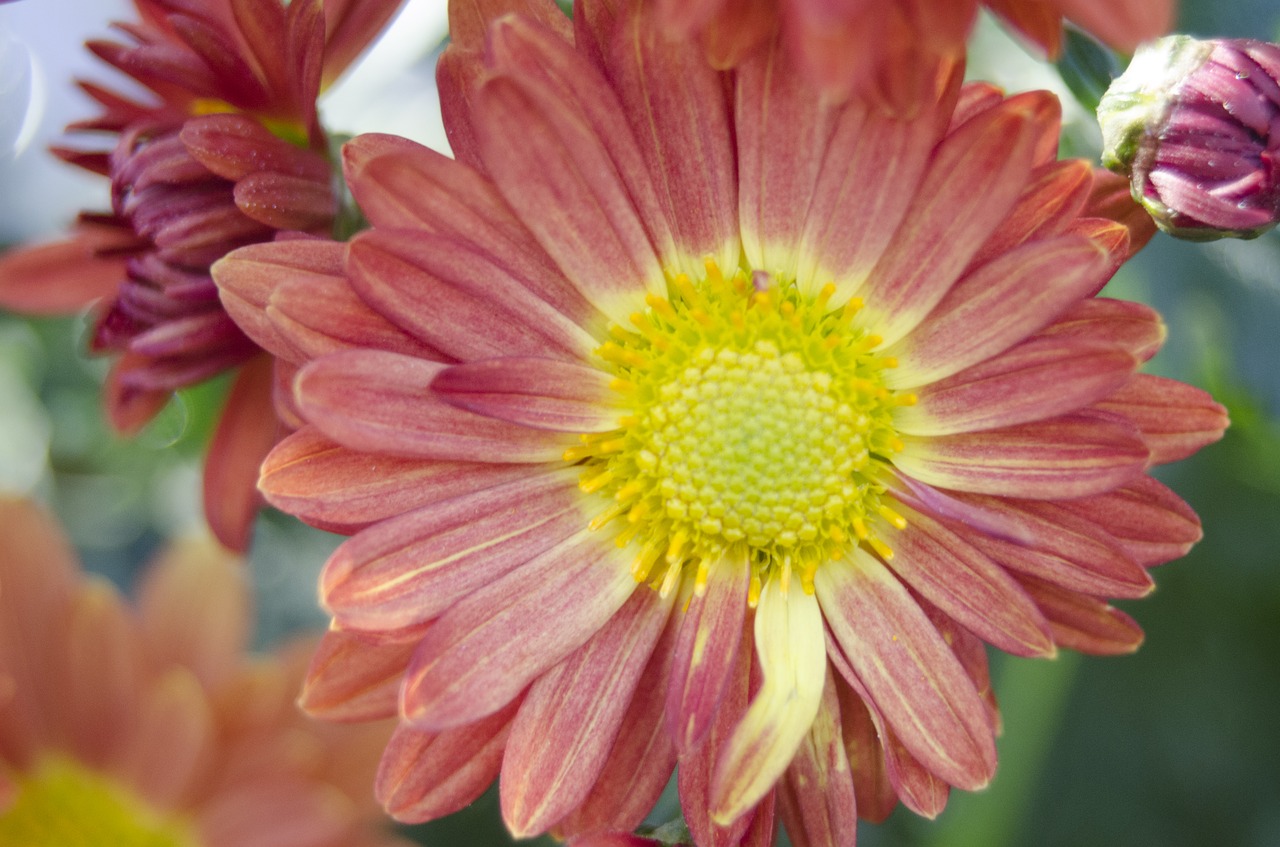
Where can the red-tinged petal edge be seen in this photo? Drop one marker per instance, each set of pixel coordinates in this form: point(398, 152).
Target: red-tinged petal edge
point(1084, 623)
point(1176, 419)
point(911, 675)
point(425, 775)
point(562, 736)
point(246, 432)
point(355, 676)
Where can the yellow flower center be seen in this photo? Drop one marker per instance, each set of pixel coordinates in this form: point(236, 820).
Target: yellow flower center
point(64, 804)
point(757, 417)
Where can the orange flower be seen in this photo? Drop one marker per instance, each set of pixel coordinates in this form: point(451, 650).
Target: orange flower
point(692, 416)
point(226, 151)
point(148, 725)
point(890, 50)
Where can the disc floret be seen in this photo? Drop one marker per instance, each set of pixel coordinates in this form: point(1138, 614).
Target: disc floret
point(757, 423)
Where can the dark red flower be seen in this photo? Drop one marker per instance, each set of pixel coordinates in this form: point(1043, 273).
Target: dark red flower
point(226, 151)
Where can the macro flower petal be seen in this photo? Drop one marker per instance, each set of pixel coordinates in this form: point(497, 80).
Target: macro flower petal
point(538, 393)
point(1069, 456)
point(482, 652)
point(1134, 326)
point(792, 656)
point(966, 584)
point(1149, 521)
point(410, 278)
point(1085, 623)
point(355, 677)
point(678, 111)
point(576, 178)
point(1037, 379)
point(410, 569)
point(336, 488)
point(241, 441)
point(374, 400)
point(706, 652)
point(1008, 297)
point(425, 775)
point(910, 674)
point(1176, 419)
point(567, 723)
point(969, 186)
point(816, 797)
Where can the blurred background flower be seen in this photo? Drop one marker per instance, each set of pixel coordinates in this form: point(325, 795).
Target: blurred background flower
point(1176, 745)
point(146, 724)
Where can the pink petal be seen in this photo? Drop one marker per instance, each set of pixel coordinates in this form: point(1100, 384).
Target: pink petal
point(870, 172)
point(341, 490)
point(1084, 623)
point(539, 393)
point(1010, 297)
point(643, 756)
point(233, 146)
point(1037, 379)
point(399, 184)
point(194, 611)
point(1176, 419)
point(173, 740)
point(961, 580)
point(875, 796)
point(694, 774)
point(1134, 326)
point(677, 107)
point(245, 434)
point(817, 797)
point(104, 673)
point(792, 653)
point(413, 567)
point(60, 278)
point(913, 678)
point(491, 644)
point(571, 715)
point(426, 775)
point(381, 402)
point(919, 789)
point(970, 185)
point(577, 178)
point(286, 202)
point(706, 652)
point(457, 299)
point(1062, 548)
point(354, 677)
point(1052, 199)
point(1149, 521)
point(782, 130)
point(1070, 456)
point(247, 278)
point(320, 315)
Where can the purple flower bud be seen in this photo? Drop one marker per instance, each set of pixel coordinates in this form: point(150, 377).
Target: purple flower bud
point(1195, 125)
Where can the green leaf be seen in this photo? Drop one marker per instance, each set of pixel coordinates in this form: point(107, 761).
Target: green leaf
point(1087, 67)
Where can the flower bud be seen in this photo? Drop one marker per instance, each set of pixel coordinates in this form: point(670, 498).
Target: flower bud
point(1195, 125)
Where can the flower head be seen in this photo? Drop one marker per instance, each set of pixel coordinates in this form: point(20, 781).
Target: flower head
point(225, 150)
point(691, 415)
point(1195, 125)
point(890, 51)
point(147, 724)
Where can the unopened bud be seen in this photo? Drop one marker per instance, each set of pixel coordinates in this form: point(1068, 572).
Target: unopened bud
point(1195, 125)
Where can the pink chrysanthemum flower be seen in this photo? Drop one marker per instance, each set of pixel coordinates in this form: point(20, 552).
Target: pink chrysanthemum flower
point(889, 51)
point(227, 151)
point(148, 725)
point(688, 415)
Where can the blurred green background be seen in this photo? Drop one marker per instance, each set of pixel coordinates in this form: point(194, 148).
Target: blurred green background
point(1177, 746)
